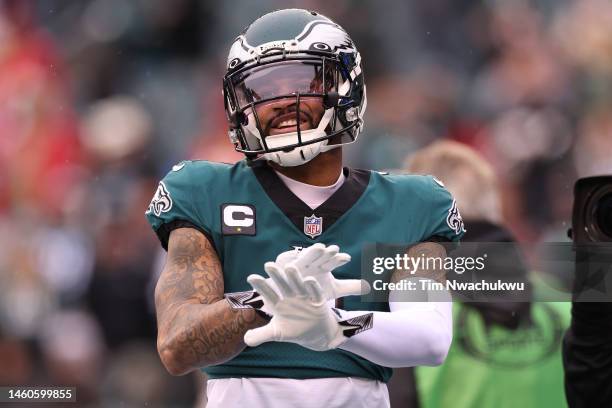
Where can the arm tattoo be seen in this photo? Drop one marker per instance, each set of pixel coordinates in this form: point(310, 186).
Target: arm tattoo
point(434, 270)
point(195, 323)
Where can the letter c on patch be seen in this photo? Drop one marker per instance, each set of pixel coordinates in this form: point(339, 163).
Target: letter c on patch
point(238, 219)
point(238, 216)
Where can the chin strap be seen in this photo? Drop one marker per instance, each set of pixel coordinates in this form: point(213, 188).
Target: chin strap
point(326, 147)
point(297, 156)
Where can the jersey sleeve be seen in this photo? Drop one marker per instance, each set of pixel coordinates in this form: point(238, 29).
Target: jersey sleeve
point(445, 222)
point(172, 205)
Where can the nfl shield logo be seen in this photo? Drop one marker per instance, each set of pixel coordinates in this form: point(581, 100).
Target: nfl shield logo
point(313, 226)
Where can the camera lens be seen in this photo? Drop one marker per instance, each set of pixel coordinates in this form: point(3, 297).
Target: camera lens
point(603, 215)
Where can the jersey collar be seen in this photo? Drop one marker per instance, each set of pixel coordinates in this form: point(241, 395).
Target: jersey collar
point(296, 210)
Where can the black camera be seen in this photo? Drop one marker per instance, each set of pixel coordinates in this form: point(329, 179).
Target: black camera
point(592, 215)
point(587, 373)
point(592, 239)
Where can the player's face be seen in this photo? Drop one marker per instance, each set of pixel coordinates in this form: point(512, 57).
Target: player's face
point(278, 116)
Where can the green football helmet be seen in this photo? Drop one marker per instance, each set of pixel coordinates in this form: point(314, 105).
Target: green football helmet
point(294, 88)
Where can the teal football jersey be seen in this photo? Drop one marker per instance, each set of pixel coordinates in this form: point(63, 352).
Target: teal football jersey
point(250, 216)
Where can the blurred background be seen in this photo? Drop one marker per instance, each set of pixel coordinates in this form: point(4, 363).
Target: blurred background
point(99, 98)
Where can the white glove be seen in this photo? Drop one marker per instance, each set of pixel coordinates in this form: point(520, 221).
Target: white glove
point(318, 261)
point(299, 312)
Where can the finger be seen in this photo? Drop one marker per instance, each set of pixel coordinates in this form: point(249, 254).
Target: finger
point(315, 290)
point(351, 287)
point(328, 253)
point(285, 257)
point(263, 334)
point(296, 282)
point(261, 286)
point(336, 261)
point(279, 278)
point(309, 255)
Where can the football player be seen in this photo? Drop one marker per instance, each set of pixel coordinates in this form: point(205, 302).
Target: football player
point(294, 94)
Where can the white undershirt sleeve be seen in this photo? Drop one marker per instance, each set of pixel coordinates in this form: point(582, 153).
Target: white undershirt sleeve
point(411, 334)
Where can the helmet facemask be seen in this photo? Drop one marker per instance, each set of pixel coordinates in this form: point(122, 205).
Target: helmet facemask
point(271, 99)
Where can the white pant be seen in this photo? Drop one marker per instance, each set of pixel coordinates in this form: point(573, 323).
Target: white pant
point(283, 393)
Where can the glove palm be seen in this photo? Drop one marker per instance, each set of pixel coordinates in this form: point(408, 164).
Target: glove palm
point(299, 311)
point(318, 261)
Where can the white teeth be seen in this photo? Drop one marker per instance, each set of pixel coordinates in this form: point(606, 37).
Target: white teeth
point(290, 122)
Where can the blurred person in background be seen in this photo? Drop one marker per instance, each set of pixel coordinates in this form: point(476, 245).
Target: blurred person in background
point(504, 354)
point(116, 134)
point(37, 123)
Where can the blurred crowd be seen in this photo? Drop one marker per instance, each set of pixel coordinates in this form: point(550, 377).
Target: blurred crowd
point(99, 98)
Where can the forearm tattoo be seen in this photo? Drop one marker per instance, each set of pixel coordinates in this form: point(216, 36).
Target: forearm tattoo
point(195, 322)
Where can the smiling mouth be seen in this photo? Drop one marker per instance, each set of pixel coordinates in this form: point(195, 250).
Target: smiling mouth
point(288, 123)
